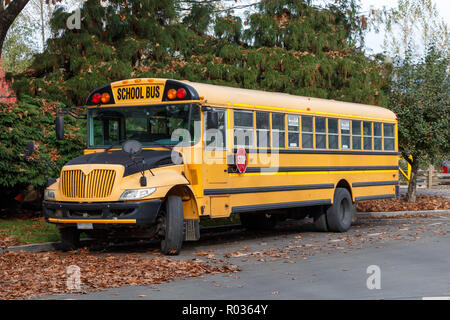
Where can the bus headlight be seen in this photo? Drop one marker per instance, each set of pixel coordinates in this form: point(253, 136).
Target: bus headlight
point(136, 194)
point(49, 194)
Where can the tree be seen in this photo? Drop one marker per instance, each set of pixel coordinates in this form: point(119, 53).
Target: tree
point(419, 95)
point(288, 46)
point(412, 24)
point(19, 45)
point(282, 45)
point(9, 10)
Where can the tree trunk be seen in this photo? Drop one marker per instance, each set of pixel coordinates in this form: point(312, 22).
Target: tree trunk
point(41, 3)
point(412, 185)
point(7, 17)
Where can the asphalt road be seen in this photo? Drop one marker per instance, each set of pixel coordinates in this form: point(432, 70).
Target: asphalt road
point(294, 262)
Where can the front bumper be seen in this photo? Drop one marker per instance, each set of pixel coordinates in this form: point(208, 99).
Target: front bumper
point(144, 212)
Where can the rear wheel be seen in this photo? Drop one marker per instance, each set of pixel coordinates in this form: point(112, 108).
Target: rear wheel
point(173, 226)
point(255, 221)
point(70, 238)
point(339, 215)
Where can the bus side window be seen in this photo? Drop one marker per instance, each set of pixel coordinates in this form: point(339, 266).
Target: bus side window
point(389, 137)
point(345, 134)
point(377, 138)
point(321, 133)
point(293, 131)
point(278, 130)
point(243, 128)
point(263, 129)
point(307, 132)
point(333, 134)
point(216, 138)
point(356, 135)
point(367, 131)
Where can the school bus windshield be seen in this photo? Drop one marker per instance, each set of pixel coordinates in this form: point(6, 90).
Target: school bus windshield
point(150, 125)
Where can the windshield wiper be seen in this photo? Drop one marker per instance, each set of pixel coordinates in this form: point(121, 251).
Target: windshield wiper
point(114, 145)
point(168, 146)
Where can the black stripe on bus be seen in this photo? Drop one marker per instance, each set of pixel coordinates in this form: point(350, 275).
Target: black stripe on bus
point(309, 169)
point(209, 192)
point(281, 205)
point(375, 183)
point(289, 151)
point(381, 196)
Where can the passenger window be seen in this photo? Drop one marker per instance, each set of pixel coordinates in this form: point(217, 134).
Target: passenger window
point(263, 129)
point(377, 138)
point(333, 134)
point(307, 132)
point(216, 138)
point(293, 131)
point(321, 135)
point(345, 134)
point(389, 137)
point(356, 135)
point(367, 132)
point(243, 128)
point(278, 130)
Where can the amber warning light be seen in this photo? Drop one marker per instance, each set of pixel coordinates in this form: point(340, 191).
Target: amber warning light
point(180, 94)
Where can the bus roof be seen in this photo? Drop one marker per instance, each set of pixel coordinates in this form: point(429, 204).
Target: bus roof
point(222, 95)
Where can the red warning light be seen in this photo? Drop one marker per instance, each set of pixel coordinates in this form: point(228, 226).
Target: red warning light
point(96, 98)
point(181, 93)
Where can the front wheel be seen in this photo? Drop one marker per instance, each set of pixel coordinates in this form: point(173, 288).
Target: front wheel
point(173, 226)
point(339, 215)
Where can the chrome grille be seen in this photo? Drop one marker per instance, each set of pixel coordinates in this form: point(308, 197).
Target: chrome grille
point(97, 184)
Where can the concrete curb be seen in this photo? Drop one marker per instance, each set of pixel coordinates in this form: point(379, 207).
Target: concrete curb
point(400, 213)
point(51, 246)
point(37, 247)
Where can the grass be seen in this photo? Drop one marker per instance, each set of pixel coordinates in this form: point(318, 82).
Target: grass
point(28, 231)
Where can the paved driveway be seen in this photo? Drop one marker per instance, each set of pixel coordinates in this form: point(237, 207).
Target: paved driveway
point(294, 262)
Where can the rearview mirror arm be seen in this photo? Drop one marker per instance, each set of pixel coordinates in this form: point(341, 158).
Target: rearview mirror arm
point(71, 111)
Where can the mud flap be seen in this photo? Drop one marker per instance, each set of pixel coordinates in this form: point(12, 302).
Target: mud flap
point(191, 230)
point(354, 216)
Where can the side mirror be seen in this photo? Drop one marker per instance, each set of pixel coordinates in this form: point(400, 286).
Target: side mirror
point(132, 147)
point(30, 149)
point(212, 120)
point(59, 127)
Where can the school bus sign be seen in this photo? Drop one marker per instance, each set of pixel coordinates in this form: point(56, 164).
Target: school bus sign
point(126, 93)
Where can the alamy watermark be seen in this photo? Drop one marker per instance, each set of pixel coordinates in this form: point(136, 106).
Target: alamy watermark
point(73, 281)
point(216, 143)
point(374, 280)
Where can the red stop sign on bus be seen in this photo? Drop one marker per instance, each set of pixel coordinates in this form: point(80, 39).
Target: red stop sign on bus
point(241, 160)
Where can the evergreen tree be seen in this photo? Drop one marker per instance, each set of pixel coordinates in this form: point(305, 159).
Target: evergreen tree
point(284, 46)
point(289, 46)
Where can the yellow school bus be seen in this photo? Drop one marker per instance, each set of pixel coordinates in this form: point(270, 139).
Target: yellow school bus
point(162, 154)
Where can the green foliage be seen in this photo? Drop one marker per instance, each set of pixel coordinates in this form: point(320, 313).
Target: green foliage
point(285, 46)
point(33, 120)
point(19, 46)
point(419, 95)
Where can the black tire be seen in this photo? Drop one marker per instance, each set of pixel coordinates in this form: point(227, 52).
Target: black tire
point(339, 215)
point(320, 220)
point(258, 221)
point(70, 238)
point(174, 226)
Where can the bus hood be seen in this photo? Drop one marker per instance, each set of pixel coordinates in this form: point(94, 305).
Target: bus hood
point(152, 159)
